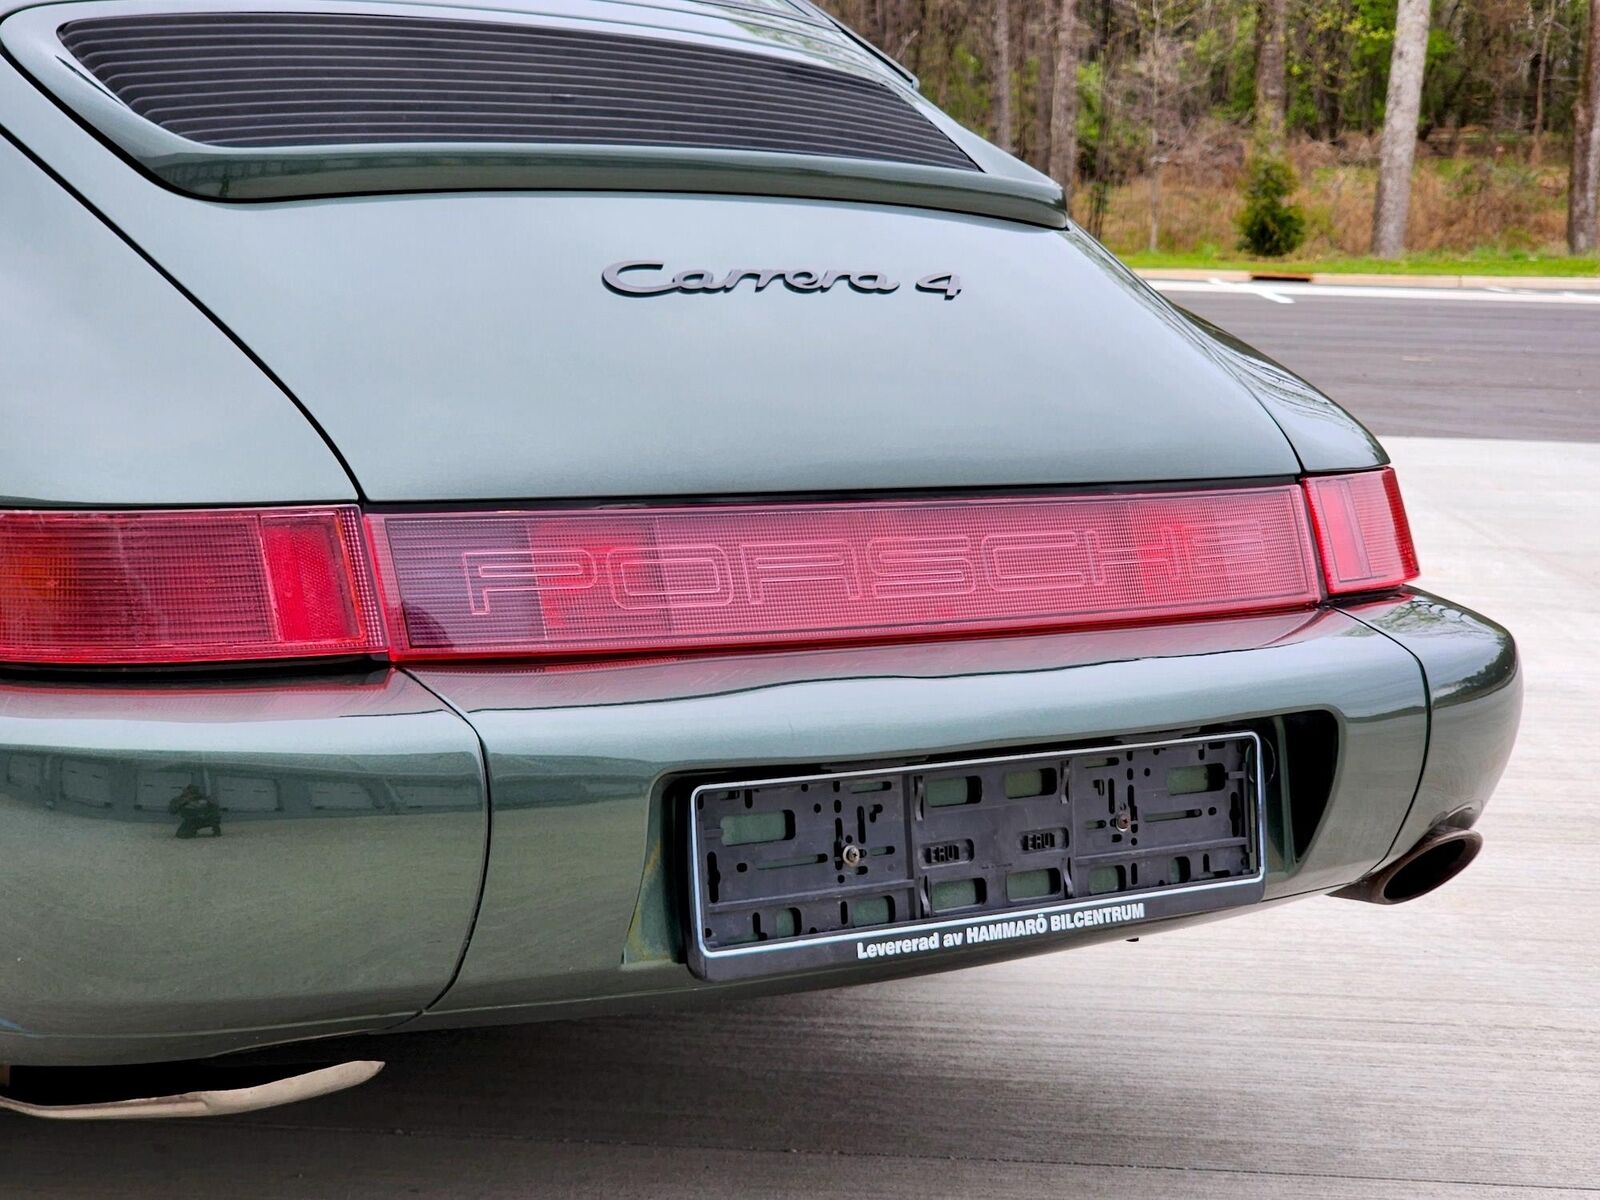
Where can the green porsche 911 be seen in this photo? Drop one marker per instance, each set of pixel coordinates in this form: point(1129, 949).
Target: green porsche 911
point(544, 507)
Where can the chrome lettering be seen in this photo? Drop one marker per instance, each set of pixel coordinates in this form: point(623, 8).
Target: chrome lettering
point(618, 277)
point(872, 281)
point(612, 278)
point(697, 281)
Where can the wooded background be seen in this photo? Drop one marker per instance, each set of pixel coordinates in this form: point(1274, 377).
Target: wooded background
point(1147, 110)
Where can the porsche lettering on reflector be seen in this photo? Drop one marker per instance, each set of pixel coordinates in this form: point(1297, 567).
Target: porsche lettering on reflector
point(621, 580)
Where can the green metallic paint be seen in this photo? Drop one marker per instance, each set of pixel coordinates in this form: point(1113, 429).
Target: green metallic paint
point(764, 25)
point(116, 390)
point(489, 362)
point(524, 377)
point(1325, 437)
point(338, 895)
point(1475, 699)
point(579, 759)
point(341, 891)
point(310, 173)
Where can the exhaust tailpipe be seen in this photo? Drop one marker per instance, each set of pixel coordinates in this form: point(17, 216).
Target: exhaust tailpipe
point(79, 1094)
point(1434, 861)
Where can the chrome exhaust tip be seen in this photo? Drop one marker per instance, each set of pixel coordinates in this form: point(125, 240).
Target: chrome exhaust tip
point(200, 1102)
point(1431, 863)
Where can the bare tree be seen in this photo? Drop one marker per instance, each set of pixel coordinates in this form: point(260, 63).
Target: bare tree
point(1541, 75)
point(1400, 128)
point(1002, 74)
point(1157, 158)
point(1271, 23)
point(1064, 98)
point(1585, 176)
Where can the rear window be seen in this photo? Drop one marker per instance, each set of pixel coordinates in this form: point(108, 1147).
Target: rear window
point(273, 80)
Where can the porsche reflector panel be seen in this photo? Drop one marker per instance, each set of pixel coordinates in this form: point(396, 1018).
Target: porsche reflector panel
point(616, 580)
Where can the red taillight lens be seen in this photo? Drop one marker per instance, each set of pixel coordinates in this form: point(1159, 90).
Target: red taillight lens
point(159, 587)
point(1362, 531)
point(610, 581)
point(241, 585)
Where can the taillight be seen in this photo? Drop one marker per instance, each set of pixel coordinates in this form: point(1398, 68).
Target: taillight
point(627, 580)
point(165, 587)
point(1362, 532)
point(160, 587)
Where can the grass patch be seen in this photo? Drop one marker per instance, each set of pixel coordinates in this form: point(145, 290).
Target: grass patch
point(1468, 216)
point(1473, 263)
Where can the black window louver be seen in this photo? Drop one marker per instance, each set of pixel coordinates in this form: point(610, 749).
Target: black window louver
point(304, 79)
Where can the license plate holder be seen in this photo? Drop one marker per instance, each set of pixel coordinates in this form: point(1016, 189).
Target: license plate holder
point(836, 868)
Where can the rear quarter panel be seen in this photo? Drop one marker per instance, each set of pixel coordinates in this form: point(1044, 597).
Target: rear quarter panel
point(335, 893)
point(115, 389)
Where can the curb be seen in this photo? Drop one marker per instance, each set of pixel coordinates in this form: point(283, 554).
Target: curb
point(1537, 283)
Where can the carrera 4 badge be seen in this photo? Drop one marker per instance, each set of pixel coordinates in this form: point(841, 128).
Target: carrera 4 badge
point(644, 278)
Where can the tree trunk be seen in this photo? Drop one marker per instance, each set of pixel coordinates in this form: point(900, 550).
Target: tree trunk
point(1038, 49)
point(1271, 21)
point(1584, 180)
point(1100, 191)
point(1400, 129)
point(1064, 99)
point(1154, 244)
point(1002, 74)
point(1156, 157)
point(1536, 151)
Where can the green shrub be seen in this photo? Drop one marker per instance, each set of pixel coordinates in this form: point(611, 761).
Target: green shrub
point(1269, 226)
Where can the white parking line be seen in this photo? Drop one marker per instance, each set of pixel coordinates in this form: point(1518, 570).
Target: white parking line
point(1252, 289)
point(1288, 293)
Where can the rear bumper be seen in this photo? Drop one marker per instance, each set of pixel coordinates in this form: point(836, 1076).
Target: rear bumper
point(356, 884)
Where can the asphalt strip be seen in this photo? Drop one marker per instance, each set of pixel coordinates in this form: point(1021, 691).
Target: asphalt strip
point(1289, 293)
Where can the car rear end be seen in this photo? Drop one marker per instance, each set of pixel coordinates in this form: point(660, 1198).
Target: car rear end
point(515, 516)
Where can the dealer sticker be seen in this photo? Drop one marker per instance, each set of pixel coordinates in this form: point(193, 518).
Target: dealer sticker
point(1010, 929)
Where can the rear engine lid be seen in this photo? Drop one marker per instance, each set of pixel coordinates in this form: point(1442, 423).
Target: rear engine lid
point(467, 347)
